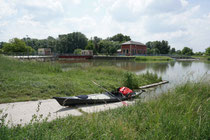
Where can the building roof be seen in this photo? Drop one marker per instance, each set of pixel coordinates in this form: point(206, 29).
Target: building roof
point(132, 43)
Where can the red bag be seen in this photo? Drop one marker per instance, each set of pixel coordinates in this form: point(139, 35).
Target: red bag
point(125, 91)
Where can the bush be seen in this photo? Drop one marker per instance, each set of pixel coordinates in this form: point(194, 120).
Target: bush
point(1, 51)
point(78, 51)
point(131, 80)
point(16, 46)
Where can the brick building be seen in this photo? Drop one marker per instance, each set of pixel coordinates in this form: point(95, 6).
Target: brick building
point(133, 48)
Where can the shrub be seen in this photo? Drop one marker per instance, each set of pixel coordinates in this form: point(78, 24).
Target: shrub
point(131, 80)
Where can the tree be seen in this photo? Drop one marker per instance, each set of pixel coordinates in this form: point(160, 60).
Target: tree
point(1, 45)
point(96, 40)
point(199, 53)
point(91, 46)
point(158, 47)
point(179, 52)
point(16, 46)
point(69, 42)
point(172, 51)
point(108, 47)
point(120, 38)
point(164, 47)
point(207, 51)
point(187, 51)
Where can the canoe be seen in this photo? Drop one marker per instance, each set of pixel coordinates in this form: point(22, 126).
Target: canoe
point(102, 98)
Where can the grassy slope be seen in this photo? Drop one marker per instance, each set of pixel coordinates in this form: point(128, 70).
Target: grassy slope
point(153, 58)
point(21, 81)
point(181, 114)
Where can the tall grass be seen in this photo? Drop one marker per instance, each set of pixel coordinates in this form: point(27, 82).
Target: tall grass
point(134, 81)
point(153, 58)
point(26, 80)
point(179, 114)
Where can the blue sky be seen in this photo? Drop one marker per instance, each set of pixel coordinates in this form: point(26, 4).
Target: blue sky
point(181, 22)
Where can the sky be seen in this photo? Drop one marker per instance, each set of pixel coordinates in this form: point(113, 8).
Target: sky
point(180, 22)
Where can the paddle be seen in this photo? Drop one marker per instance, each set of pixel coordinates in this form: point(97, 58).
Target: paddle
point(123, 102)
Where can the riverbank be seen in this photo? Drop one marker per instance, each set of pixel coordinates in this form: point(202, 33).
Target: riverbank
point(180, 114)
point(27, 80)
point(203, 58)
point(153, 58)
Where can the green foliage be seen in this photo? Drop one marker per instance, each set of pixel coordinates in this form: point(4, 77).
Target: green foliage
point(108, 47)
point(207, 51)
point(120, 38)
point(172, 51)
point(1, 51)
point(131, 80)
point(78, 51)
point(69, 42)
point(179, 52)
point(91, 46)
point(187, 51)
point(158, 47)
point(180, 114)
point(199, 53)
point(16, 46)
point(50, 42)
point(1, 45)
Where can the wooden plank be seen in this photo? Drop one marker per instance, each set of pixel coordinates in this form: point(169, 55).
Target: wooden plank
point(154, 84)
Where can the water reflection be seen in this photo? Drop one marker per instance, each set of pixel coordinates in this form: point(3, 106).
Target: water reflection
point(185, 64)
point(160, 67)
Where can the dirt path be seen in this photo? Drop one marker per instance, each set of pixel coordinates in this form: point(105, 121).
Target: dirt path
point(22, 112)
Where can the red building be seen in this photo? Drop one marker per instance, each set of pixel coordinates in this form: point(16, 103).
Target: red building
point(133, 48)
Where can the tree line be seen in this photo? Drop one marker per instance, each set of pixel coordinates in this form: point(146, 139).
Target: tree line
point(67, 43)
point(163, 47)
point(77, 41)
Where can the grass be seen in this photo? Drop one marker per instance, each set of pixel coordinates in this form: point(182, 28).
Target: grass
point(153, 58)
point(26, 80)
point(179, 114)
point(203, 58)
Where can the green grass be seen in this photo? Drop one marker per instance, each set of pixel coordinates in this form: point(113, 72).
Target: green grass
point(26, 80)
point(203, 58)
point(179, 114)
point(153, 58)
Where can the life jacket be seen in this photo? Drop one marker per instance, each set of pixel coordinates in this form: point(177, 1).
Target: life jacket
point(125, 91)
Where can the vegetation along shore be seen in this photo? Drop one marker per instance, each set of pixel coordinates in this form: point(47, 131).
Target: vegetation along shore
point(27, 80)
point(153, 58)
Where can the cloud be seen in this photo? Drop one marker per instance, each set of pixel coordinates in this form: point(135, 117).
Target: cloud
point(181, 22)
point(53, 5)
point(6, 9)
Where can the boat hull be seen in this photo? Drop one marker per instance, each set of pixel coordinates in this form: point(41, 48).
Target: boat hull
point(92, 99)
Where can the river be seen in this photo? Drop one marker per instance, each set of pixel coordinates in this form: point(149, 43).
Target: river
point(176, 72)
